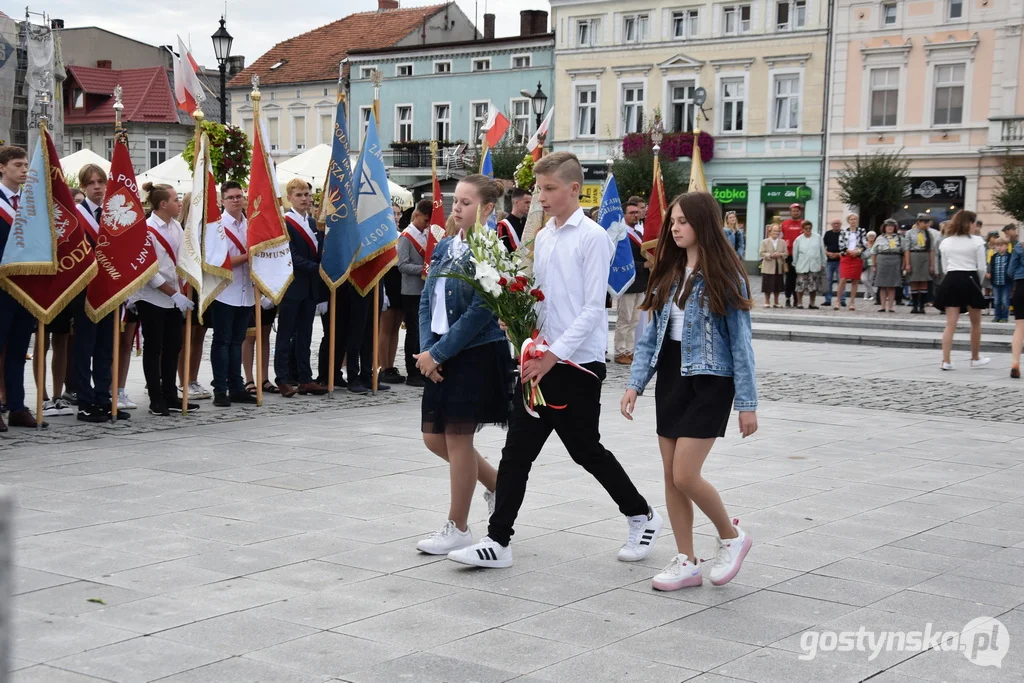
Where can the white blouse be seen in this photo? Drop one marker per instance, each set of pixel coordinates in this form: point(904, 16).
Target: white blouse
point(438, 309)
point(676, 314)
point(964, 252)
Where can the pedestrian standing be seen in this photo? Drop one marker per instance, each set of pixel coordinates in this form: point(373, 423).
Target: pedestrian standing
point(1002, 282)
point(774, 262)
point(790, 230)
point(963, 260)
point(412, 249)
point(699, 343)
point(809, 261)
point(888, 249)
point(851, 245)
point(919, 261)
point(1016, 274)
point(832, 256)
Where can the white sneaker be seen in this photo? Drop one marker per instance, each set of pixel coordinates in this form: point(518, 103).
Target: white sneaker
point(947, 366)
point(486, 553)
point(729, 556)
point(489, 499)
point(63, 407)
point(680, 573)
point(124, 401)
point(643, 532)
point(50, 408)
point(980, 362)
point(198, 391)
point(445, 540)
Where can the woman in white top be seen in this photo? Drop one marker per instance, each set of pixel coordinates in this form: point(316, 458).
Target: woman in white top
point(963, 261)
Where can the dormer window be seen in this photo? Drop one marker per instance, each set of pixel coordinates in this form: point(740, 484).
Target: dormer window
point(277, 65)
point(78, 98)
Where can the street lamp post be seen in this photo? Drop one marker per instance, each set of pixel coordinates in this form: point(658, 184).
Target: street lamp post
point(540, 103)
point(222, 49)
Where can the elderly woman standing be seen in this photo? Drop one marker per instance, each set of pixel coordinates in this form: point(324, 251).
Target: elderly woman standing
point(867, 278)
point(889, 249)
point(773, 264)
point(809, 262)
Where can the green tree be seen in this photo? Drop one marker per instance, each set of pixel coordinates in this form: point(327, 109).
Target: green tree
point(1009, 196)
point(634, 175)
point(875, 184)
point(505, 157)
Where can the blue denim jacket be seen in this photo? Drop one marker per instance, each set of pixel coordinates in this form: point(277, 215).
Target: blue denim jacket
point(470, 324)
point(711, 345)
point(1015, 271)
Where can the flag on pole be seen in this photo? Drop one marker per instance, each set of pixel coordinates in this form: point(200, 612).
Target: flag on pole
point(611, 218)
point(495, 126)
point(437, 221)
point(534, 146)
point(123, 252)
point(697, 181)
point(342, 237)
point(656, 208)
point(269, 253)
point(378, 234)
point(188, 91)
point(487, 169)
point(48, 260)
point(533, 225)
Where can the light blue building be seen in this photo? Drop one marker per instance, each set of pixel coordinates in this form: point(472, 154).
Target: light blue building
point(444, 93)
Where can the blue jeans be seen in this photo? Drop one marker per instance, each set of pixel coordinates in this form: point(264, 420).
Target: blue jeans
point(1001, 294)
point(832, 276)
point(229, 326)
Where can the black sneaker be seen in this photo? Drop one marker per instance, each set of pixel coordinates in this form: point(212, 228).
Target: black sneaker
point(91, 413)
point(159, 407)
point(358, 388)
point(392, 376)
point(221, 400)
point(241, 397)
point(121, 414)
point(382, 387)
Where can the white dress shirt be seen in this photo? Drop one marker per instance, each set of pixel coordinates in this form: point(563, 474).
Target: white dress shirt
point(8, 194)
point(571, 265)
point(239, 292)
point(964, 252)
point(167, 270)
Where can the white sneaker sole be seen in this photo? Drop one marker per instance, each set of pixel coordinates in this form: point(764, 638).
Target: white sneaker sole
point(687, 582)
point(430, 551)
point(477, 562)
point(739, 563)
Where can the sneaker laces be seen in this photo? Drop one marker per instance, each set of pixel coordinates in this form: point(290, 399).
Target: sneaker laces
point(675, 566)
point(722, 554)
point(444, 532)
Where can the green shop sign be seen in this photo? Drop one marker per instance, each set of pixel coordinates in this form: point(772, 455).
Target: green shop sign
point(774, 194)
point(730, 194)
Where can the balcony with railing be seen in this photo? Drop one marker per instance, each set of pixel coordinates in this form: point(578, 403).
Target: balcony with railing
point(449, 158)
point(1006, 131)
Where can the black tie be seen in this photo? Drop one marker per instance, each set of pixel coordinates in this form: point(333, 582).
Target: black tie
point(14, 201)
point(97, 212)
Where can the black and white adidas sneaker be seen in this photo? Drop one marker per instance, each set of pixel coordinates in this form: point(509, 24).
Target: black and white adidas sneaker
point(486, 553)
point(643, 532)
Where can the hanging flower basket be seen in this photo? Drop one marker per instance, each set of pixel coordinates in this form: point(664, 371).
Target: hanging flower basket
point(674, 146)
point(229, 152)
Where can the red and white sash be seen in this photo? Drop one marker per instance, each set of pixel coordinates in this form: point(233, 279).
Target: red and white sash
point(163, 243)
point(634, 235)
point(303, 232)
point(417, 239)
point(6, 213)
point(90, 220)
point(505, 229)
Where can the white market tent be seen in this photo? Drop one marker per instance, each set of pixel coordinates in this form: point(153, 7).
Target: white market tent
point(312, 165)
point(73, 163)
point(174, 172)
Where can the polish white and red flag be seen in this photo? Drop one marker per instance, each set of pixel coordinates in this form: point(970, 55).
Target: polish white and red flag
point(534, 145)
point(495, 126)
point(188, 91)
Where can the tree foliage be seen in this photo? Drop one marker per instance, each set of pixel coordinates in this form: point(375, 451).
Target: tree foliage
point(875, 184)
point(634, 175)
point(230, 153)
point(1009, 196)
point(505, 157)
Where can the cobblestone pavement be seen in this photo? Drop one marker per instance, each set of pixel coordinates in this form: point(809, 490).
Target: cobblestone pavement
point(277, 544)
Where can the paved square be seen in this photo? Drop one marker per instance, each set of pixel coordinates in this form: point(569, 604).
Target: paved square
point(277, 544)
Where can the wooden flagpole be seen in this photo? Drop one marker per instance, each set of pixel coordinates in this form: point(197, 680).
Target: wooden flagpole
point(115, 369)
point(330, 341)
point(332, 336)
point(257, 295)
point(40, 370)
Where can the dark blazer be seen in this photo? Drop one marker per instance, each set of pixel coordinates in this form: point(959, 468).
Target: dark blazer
point(5, 228)
point(643, 274)
point(307, 283)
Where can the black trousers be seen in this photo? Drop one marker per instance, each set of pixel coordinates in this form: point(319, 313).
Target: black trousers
point(93, 356)
point(577, 425)
point(340, 336)
point(294, 319)
point(161, 343)
point(790, 278)
point(229, 326)
point(411, 314)
point(359, 344)
point(16, 328)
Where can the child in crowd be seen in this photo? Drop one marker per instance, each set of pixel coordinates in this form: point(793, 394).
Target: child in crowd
point(999, 277)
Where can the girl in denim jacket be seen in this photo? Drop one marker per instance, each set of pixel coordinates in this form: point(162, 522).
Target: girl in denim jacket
point(466, 361)
point(699, 342)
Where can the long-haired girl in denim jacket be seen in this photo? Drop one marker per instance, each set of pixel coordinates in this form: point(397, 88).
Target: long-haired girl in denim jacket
point(699, 343)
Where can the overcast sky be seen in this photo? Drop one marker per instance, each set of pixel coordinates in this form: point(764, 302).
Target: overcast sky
point(256, 25)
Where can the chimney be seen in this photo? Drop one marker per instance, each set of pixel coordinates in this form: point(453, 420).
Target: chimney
point(236, 64)
point(488, 27)
point(57, 23)
point(533, 22)
point(104, 64)
point(386, 4)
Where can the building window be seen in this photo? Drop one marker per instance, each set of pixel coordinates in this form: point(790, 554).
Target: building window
point(325, 92)
point(364, 122)
point(365, 72)
point(790, 14)
point(954, 9)
point(298, 94)
point(884, 96)
point(482, 64)
point(634, 28)
point(686, 24)
point(299, 126)
point(682, 109)
point(77, 145)
point(78, 99)
point(247, 129)
point(442, 67)
point(586, 112)
point(632, 108)
point(735, 19)
point(273, 95)
point(157, 151)
point(403, 70)
point(327, 129)
point(108, 148)
point(273, 133)
point(478, 113)
point(521, 119)
point(949, 94)
point(403, 123)
point(733, 102)
point(522, 61)
point(889, 14)
point(787, 103)
point(586, 32)
point(442, 122)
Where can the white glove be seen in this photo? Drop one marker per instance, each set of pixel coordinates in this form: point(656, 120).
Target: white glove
point(321, 308)
point(182, 302)
point(387, 303)
point(266, 304)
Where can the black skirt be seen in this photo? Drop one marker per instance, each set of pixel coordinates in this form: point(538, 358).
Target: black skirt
point(392, 281)
point(1017, 300)
point(690, 406)
point(960, 289)
point(476, 391)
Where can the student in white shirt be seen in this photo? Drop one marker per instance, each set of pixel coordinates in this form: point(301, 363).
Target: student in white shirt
point(160, 304)
point(572, 258)
point(964, 264)
point(230, 311)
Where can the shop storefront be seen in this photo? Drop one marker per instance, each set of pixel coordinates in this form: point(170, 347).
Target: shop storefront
point(776, 200)
point(594, 176)
point(732, 198)
point(939, 197)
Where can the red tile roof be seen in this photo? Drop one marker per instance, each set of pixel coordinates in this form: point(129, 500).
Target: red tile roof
point(315, 55)
point(146, 95)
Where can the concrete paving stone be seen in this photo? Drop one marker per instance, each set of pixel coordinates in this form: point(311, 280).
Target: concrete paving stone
point(308, 546)
point(81, 562)
point(539, 586)
point(989, 572)
point(39, 638)
point(769, 665)
point(669, 645)
point(241, 670)
point(329, 654)
point(576, 627)
point(911, 559)
point(41, 673)
point(604, 567)
point(390, 557)
point(875, 573)
point(944, 612)
point(492, 609)
point(151, 615)
point(602, 665)
point(27, 580)
point(508, 650)
point(414, 628)
point(796, 559)
point(652, 609)
point(230, 531)
point(313, 575)
point(833, 589)
point(836, 545)
point(796, 608)
point(163, 577)
point(757, 575)
point(238, 561)
point(237, 594)
point(743, 627)
point(138, 660)
point(999, 594)
point(237, 633)
point(75, 598)
point(1011, 556)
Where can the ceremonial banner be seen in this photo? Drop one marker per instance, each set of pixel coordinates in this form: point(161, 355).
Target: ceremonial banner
point(656, 206)
point(533, 225)
point(8, 68)
point(56, 110)
point(188, 91)
point(123, 253)
point(623, 270)
point(47, 261)
point(270, 256)
point(437, 222)
point(39, 76)
point(697, 180)
point(378, 234)
point(533, 146)
point(341, 239)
